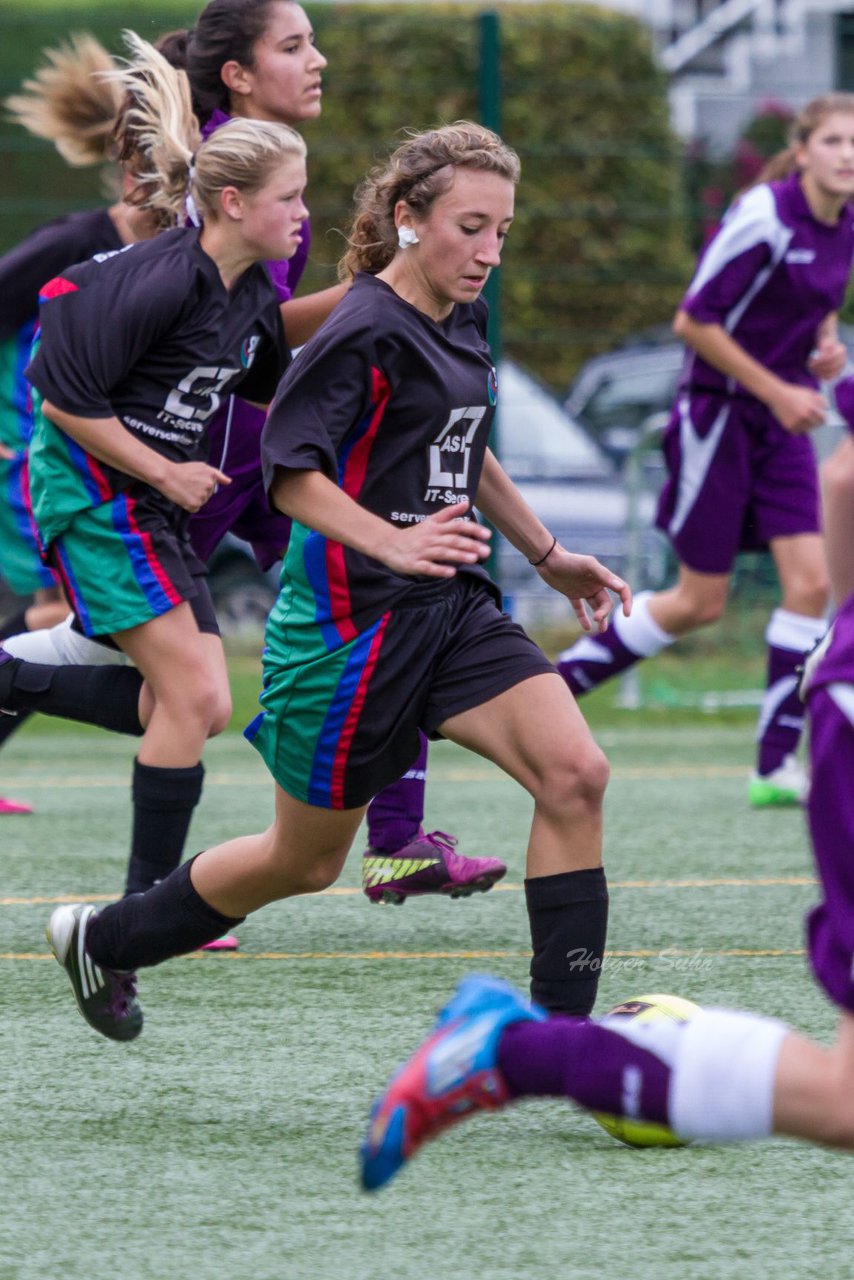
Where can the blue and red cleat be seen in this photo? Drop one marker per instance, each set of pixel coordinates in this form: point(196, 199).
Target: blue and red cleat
point(428, 864)
point(453, 1074)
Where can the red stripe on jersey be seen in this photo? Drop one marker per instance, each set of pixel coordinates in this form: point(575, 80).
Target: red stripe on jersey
point(154, 564)
point(352, 480)
point(56, 287)
point(348, 729)
point(357, 461)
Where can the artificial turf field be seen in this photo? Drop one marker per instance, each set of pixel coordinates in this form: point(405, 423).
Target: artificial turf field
point(222, 1143)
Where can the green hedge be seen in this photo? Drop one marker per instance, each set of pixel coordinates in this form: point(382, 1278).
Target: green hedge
point(599, 247)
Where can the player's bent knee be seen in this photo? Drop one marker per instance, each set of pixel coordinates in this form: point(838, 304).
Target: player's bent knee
point(221, 716)
point(708, 610)
point(201, 701)
point(579, 780)
point(311, 878)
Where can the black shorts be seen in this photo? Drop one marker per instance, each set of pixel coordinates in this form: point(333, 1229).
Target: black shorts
point(339, 727)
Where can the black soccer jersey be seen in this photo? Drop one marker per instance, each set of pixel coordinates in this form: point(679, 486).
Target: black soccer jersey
point(151, 336)
point(23, 270)
point(48, 250)
point(396, 409)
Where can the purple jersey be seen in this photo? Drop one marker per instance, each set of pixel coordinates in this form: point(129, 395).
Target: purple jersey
point(769, 277)
point(234, 436)
point(737, 479)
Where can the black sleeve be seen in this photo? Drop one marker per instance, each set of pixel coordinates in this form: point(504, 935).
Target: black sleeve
point(93, 332)
point(322, 397)
point(48, 250)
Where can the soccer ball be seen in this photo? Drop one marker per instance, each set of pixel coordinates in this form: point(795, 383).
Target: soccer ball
point(642, 1133)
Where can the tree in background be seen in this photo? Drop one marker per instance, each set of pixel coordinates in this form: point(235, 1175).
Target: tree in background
point(712, 182)
point(599, 248)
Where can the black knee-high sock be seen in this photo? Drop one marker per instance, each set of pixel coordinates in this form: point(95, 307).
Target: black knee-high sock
point(163, 804)
point(568, 914)
point(13, 626)
point(103, 696)
point(148, 928)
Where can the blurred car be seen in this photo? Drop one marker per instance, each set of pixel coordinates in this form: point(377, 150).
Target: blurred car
point(242, 593)
point(578, 493)
point(625, 396)
point(626, 393)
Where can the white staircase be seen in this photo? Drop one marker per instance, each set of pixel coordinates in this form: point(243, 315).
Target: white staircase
point(727, 57)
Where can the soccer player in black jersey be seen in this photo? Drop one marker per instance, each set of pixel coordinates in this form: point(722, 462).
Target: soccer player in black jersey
point(69, 102)
point(136, 351)
point(258, 58)
point(376, 445)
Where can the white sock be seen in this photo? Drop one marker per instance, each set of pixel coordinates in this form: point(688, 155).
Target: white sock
point(796, 631)
point(723, 1071)
point(640, 632)
point(59, 646)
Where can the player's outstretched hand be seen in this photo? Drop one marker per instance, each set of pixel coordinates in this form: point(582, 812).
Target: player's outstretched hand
point(190, 484)
point(437, 544)
point(587, 584)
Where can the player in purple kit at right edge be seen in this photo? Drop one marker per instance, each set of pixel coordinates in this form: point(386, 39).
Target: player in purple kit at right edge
point(759, 320)
point(723, 1075)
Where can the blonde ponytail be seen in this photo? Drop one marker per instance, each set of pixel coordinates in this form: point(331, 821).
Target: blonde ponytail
point(70, 102)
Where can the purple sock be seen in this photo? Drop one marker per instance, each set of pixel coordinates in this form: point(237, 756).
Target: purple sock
point(781, 719)
point(396, 814)
point(593, 660)
point(586, 1062)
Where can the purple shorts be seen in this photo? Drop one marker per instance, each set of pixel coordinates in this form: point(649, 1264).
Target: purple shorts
point(830, 926)
point(737, 479)
point(241, 507)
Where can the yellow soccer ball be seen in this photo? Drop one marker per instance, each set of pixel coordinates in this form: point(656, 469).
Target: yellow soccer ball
point(641, 1133)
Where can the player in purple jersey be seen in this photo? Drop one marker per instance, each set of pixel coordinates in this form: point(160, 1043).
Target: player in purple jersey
point(257, 58)
point(118, 451)
point(724, 1075)
point(386, 623)
point(69, 103)
point(759, 320)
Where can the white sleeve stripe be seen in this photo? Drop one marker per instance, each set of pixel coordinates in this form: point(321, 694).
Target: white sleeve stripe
point(750, 222)
point(843, 696)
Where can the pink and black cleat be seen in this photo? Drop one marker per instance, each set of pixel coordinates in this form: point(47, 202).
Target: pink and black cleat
point(428, 864)
point(13, 806)
point(228, 942)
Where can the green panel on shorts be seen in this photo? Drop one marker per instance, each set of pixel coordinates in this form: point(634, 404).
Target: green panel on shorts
point(58, 490)
point(102, 575)
point(302, 677)
point(20, 564)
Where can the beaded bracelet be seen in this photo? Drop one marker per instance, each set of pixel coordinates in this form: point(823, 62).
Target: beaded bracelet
point(543, 559)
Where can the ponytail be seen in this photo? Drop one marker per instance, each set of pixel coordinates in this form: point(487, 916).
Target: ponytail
point(70, 101)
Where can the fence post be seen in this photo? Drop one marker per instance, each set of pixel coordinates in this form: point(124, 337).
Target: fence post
point(489, 98)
